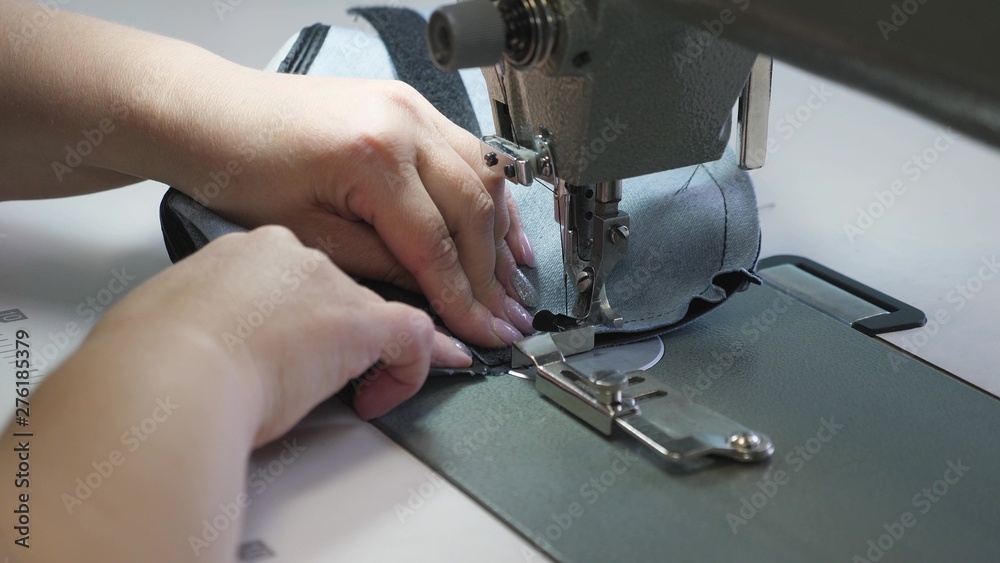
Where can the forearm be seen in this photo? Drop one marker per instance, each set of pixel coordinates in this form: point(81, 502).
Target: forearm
point(89, 105)
point(139, 437)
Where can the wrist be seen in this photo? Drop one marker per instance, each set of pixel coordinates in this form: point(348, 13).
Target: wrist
point(182, 120)
point(167, 357)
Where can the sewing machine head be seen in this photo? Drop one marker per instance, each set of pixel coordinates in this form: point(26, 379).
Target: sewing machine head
point(585, 93)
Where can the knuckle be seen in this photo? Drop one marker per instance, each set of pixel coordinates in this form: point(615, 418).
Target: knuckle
point(502, 224)
point(401, 95)
point(227, 240)
point(397, 274)
point(442, 255)
point(278, 233)
point(482, 210)
point(421, 324)
point(376, 145)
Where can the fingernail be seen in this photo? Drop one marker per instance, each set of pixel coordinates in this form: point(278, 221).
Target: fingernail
point(461, 346)
point(505, 331)
point(526, 251)
point(455, 356)
point(518, 316)
point(526, 293)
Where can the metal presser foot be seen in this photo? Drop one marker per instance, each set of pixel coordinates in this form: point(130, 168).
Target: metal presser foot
point(664, 420)
point(595, 237)
point(594, 233)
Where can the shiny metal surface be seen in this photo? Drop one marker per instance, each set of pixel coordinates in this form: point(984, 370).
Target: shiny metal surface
point(754, 110)
point(659, 417)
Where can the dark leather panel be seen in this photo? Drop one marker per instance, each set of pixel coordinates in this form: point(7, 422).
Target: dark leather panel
point(775, 365)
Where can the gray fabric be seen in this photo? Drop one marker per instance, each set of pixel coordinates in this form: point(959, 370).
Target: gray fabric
point(690, 226)
point(695, 231)
point(400, 30)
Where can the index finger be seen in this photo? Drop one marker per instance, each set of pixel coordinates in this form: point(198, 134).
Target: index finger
point(406, 218)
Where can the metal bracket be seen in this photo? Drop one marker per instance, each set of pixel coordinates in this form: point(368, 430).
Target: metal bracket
point(520, 164)
point(663, 419)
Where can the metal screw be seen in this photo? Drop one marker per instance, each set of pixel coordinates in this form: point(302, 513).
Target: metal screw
point(744, 440)
point(619, 234)
point(509, 171)
point(491, 159)
point(583, 282)
point(607, 386)
point(546, 165)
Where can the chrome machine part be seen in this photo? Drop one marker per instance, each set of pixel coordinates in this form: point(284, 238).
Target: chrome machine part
point(635, 356)
point(594, 232)
point(664, 420)
point(477, 33)
point(565, 96)
point(594, 239)
point(754, 109)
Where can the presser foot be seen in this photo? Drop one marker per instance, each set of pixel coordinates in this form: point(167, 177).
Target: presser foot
point(659, 417)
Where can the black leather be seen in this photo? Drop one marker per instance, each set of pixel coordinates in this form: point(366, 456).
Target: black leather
point(402, 33)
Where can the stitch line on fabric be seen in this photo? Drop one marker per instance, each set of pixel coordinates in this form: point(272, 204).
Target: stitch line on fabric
point(725, 222)
point(302, 54)
point(725, 241)
point(691, 177)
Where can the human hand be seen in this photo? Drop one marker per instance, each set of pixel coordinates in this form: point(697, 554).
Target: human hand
point(373, 174)
point(293, 324)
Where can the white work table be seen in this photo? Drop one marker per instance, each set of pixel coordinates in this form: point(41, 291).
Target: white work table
point(355, 495)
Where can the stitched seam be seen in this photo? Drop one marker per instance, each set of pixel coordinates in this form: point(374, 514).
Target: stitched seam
point(296, 51)
point(725, 222)
point(725, 239)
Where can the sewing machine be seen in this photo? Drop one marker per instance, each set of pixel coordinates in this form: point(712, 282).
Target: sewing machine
point(560, 74)
point(842, 496)
point(564, 75)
